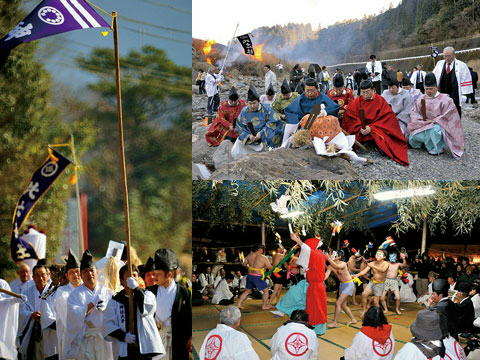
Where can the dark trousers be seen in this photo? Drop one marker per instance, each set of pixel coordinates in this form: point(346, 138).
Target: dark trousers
point(377, 86)
point(471, 97)
point(358, 88)
point(226, 301)
point(213, 103)
point(201, 87)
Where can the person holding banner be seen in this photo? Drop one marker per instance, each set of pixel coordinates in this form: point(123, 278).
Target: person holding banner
point(435, 122)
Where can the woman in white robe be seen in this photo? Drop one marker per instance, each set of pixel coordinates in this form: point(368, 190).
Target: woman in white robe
point(406, 290)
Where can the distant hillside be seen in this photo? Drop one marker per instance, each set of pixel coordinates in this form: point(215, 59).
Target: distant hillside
point(411, 23)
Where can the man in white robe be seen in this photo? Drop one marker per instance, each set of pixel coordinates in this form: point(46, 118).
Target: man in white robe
point(223, 295)
point(72, 273)
point(37, 323)
point(24, 279)
point(85, 308)
point(270, 78)
point(143, 344)
point(400, 101)
point(295, 339)
point(225, 342)
point(9, 314)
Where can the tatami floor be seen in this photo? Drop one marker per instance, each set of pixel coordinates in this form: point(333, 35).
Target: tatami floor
point(260, 326)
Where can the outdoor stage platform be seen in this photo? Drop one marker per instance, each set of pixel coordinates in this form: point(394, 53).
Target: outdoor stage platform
point(260, 326)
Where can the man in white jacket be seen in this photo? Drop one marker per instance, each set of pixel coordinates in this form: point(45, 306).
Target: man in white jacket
point(212, 82)
point(144, 343)
point(224, 342)
point(374, 70)
point(295, 339)
point(418, 78)
point(453, 78)
point(270, 78)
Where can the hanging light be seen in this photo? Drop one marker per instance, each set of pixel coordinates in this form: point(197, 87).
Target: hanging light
point(292, 214)
point(404, 193)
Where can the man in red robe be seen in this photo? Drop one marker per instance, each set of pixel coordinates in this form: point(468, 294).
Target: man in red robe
point(341, 95)
point(313, 260)
point(380, 123)
point(223, 127)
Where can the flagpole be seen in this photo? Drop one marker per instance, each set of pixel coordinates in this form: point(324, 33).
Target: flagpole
point(229, 46)
point(77, 192)
point(131, 321)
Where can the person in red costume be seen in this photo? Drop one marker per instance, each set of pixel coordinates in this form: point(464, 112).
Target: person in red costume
point(380, 126)
point(312, 259)
point(223, 127)
point(341, 95)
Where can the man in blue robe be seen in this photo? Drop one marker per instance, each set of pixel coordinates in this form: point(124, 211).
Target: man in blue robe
point(303, 105)
point(259, 127)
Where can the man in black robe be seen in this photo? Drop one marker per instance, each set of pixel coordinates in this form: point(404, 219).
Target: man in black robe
point(174, 306)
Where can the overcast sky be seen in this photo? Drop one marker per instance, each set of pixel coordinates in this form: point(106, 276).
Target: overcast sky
point(216, 19)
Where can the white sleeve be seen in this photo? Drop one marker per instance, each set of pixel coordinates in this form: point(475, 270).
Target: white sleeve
point(203, 281)
point(304, 257)
point(314, 354)
point(353, 352)
point(47, 309)
point(76, 312)
point(110, 320)
point(409, 352)
point(245, 350)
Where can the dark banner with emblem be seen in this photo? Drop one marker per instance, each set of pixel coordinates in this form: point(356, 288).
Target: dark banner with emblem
point(435, 52)
point(246, 43)
point(39, 184)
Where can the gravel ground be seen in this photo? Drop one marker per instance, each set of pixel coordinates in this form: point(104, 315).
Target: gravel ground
point(422, 164)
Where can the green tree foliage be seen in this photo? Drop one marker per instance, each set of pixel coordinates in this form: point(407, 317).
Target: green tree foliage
point(156, 95)
point(28, 123)
point(454, 204)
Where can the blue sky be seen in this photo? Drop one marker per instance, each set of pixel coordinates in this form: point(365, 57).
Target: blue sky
point(135, 30)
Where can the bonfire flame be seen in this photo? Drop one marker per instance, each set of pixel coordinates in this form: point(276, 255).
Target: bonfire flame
point(258, 52)
point(207, 48)
point(209, 61)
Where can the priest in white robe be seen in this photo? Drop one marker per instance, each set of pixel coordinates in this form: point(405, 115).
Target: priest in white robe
point(24, 279)
point(72, 273)
point(9, 313)
point(225, 342)
point(144, 343)
point(85, 310)
point(37, 323)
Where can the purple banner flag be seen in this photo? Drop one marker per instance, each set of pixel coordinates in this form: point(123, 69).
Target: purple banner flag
point(52, 17)
point(39, 184)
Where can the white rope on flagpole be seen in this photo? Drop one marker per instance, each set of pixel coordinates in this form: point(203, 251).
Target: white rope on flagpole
point(229, 46)
point(407, 58)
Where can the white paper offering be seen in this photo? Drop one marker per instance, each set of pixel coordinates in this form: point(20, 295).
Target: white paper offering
point(343, 142)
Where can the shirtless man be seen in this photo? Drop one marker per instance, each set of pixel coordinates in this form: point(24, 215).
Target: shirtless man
point(376, 285)
point(345, 290)
point(278, 279)
point(391, 282)
point(257, 263)
point(352, 267)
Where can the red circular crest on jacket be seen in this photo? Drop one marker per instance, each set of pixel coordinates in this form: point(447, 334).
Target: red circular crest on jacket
point(213, 347)
point(296, 344)
point(382, 349)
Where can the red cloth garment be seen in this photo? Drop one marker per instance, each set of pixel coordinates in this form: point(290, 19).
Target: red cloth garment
point(220, 127)
point(385, 128)
point(316, 304)
point(379, 334)
point(342, 98)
